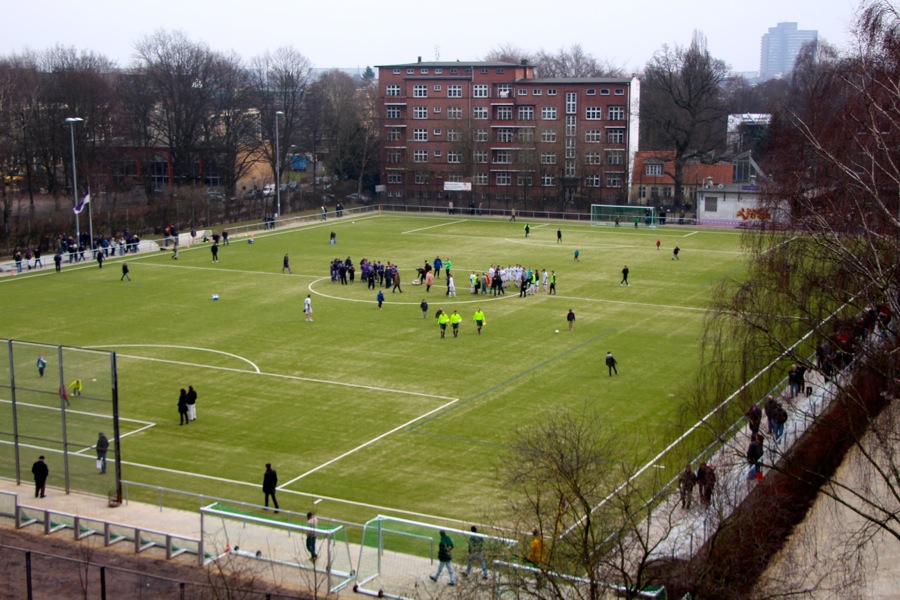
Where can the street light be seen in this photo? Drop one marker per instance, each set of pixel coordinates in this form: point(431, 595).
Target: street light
point(277, 167)
point(71, 121)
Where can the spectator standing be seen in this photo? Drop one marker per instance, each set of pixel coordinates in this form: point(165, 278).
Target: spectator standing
point(215, 251)
point(102, 446)
point(270, 483)
point(192, 403)
point(183, 408)
point(686, 482)
point(445, 557)
point(286, 264)
point(611, 363)
point(570, 317)
point(41, 364)
point(313, 522)
point(424, 306)
point(41, 472)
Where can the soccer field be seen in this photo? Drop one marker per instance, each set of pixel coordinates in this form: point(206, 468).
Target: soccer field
point(370, 409)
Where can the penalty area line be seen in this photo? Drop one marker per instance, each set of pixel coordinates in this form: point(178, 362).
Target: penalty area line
point(433, 226)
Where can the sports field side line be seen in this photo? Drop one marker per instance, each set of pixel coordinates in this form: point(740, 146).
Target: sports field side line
point(373, 440)
point(279, 375)
point(80, 412)
point(433, 226)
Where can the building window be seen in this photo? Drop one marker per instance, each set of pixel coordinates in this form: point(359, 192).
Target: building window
point(593, 136)
point(604, 92)
point(592, 158)
point(438, 153)
point(454, 71)
point(481, 156)
point(392, 89)
point(593, 113)
point(481, 179)
point(523, 179)
point(548, 136)
point(484, 71)
point(437, 131)
point(548, 158)
point(593, 181)
point(526, 134)
point(569, 169)
point(642, 191)
point(502, 157)
point(653, 169)
point(548, 180)
point(667, 192)
point(393, 112)
point(480, 112)
point(551, 92)
point(504, 113)
point(620, 92)
point(420, 135)
point(571, 102)
point(613, 180)
point(711, 204)
point(420, 156)
point(548, 113)
point(537, 92)
point(453, 156)
point(616, 113)
point(525, 157)
point(615, 135)
point(500, 71)
point(456, 177)
point(522, 92)
point(420, 90)
point(422, 178)
point(504, 135)
point(480, 90)
point(504, 179)
point(394, 135)
point(654, 192)
point(437, 87)
point(525, 113)
point(454, 135)
point(454, 112)
point(395, 178)
point(591, 92)
point(615, 157)
point(437, 110)
point(396, 71)
point(394, 157)
point(420, 112)
point(438, 71)
point(423, 71)
point(571, 121)
point(503, 90)
point(454, 90)
point(480, 135)
point(410, 71)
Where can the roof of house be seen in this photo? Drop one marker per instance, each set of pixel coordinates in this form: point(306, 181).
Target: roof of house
point(695, 173)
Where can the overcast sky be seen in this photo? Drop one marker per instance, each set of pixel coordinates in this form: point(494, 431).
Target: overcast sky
point(356, 33)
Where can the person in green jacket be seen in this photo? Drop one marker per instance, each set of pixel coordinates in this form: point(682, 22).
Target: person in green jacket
point(455, 318)
point(443, 319)
point(479, 320)
point(447, 265)
point(445, 556)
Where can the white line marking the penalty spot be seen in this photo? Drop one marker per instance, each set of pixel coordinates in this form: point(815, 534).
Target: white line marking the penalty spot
point(433, 226)
point(372, 441)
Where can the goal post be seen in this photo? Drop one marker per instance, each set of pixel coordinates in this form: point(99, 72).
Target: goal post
point(624, 215)
point(230, 531)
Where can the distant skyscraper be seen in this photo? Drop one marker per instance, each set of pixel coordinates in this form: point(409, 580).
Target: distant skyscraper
point(780, 47)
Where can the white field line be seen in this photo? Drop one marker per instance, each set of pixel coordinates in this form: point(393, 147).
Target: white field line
point(690, 234)
point(441, 297)
point(433, 226)
point(372, 441)
point(229, 354)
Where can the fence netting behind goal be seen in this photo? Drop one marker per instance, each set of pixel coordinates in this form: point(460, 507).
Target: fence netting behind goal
point(613, 214)
point(230, 531)
point(398, 556)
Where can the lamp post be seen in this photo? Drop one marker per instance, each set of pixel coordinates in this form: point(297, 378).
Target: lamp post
point(71, 121)
point(278, 114)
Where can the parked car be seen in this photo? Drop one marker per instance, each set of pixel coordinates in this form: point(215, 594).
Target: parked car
point(253, 195)
point(268, 190)
point(361, 198)
point(215, 196)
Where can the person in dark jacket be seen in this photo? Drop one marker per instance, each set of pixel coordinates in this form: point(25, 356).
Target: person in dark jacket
point(445, 556)
point(192, 403)
point(270, 482)
point(754, 418)
point(183, 407)
point(754, 454)
point(611, 363)
point(102, 446)
point(686, 482)
point(41, 472)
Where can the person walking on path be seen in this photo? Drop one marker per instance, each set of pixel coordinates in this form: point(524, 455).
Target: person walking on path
point(559, 236)
point(312, 521)
point(192, 403)
point(476, 553)
point(611, 363)
point(307, 308)
point(570, 317)
point(512, 215)
point(183, 408)
point(124, 272)
point(286, 264)
point(479, 320)
point(41, 472)
point(380, 298)
point(102, 446)
point(41, 364)
point(455, 319)
point(424, 306)
point(754, 418)
point(686, 482)
point(754, 455)
point(675, 252)
point(624, 276)
point(443, 319)
point(445, 556)
point(270, 482)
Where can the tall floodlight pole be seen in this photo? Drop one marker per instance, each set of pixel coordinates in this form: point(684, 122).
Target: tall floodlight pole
point(71, 121)
point(278, 115)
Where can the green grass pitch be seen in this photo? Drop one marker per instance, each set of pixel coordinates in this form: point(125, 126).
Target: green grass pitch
point(370, 409)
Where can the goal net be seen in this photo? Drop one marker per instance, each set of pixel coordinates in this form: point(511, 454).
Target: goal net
point(227, 531)
point(624, 216)
point(398, 556)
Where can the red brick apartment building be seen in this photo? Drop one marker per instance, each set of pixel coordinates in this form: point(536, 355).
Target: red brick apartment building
point(494, 134)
